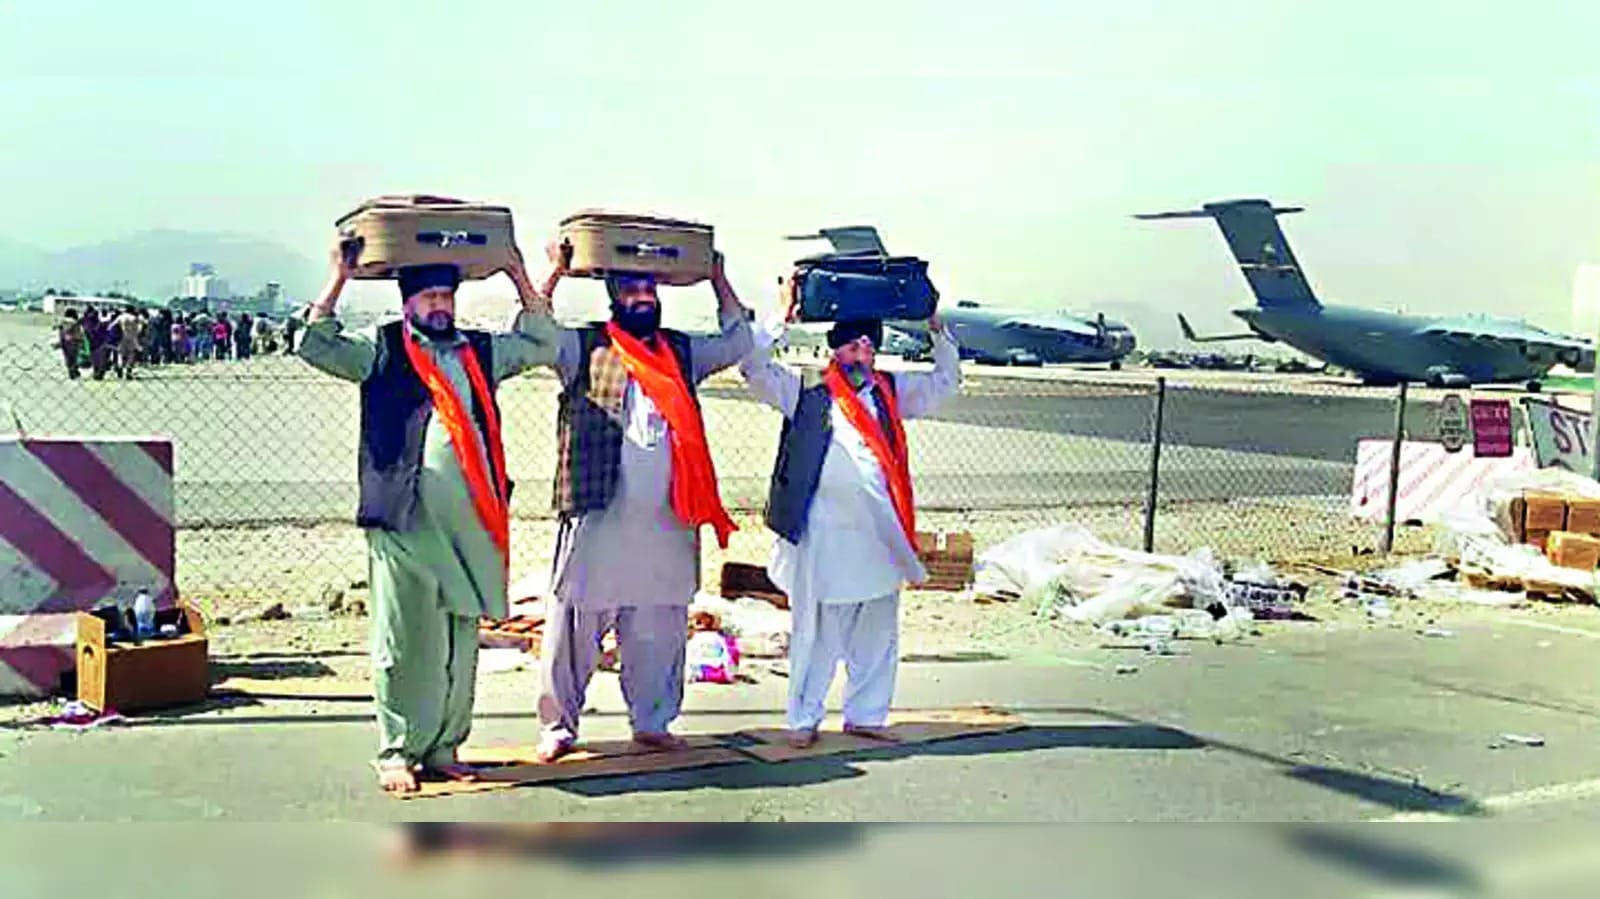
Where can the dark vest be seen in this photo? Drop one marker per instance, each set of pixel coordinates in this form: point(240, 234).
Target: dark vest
point(589, 422)
point(395, 410)
point(802, 449)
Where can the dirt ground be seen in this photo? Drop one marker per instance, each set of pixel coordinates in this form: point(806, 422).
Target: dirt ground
point(317, 651)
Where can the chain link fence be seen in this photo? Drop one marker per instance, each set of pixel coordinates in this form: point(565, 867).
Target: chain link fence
point(1252, 466)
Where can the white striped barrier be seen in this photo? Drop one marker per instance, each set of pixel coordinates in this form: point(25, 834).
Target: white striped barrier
point(1431, 479)
point(81, 521)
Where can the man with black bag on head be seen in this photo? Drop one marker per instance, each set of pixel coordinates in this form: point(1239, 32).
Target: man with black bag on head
point(842, 508)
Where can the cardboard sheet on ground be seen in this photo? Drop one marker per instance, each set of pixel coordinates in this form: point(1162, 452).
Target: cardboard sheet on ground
point(508, 767)
point(908, 728)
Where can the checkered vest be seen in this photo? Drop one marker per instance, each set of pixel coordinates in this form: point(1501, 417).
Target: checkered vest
point(589, 422)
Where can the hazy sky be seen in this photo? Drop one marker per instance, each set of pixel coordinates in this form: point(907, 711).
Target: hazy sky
point(1449, 153)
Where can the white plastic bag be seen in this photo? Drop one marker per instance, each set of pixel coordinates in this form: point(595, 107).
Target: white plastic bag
point(1066, 569)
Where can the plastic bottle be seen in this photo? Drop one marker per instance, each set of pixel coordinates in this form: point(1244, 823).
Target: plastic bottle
point(144, 615)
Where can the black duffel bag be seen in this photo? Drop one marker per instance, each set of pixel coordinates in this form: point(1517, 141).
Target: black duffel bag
point(863, 285)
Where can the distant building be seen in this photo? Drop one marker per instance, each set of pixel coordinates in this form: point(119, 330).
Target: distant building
point(54, 305)
point(203, 283)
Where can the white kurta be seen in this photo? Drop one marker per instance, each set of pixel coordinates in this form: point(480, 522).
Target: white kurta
point(844, 576)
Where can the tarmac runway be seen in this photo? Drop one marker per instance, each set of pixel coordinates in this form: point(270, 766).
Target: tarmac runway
point(273, 440)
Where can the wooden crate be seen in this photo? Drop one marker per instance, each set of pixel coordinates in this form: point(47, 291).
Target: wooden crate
point(1570, 550)
point(153, 674)
point(1544, 512)
point(1583, 515)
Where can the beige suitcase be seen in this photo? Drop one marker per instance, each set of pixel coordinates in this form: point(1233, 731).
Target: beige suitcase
point(598, 242)
point(416, 229)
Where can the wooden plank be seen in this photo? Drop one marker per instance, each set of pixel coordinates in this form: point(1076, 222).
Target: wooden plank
point(907, 728)
point(611, 759)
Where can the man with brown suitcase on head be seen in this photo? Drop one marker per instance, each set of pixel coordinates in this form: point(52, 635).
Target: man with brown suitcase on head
point(434, 499)
point(634, 484)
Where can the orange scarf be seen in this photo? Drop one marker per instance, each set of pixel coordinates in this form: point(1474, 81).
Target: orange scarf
point(894, 459)
point(489, 500)
point(694, 479)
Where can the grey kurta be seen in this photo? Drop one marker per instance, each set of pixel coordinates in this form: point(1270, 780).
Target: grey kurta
point(636, 552)
point(449, 543)
point(430, 584)
point(630, 566)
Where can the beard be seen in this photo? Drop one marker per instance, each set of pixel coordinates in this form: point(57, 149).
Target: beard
point(436, 324)
point(859, 374)
point(640, 321)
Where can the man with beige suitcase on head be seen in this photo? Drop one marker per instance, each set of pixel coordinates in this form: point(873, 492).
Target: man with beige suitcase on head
point(434, 495)
point(634, 477)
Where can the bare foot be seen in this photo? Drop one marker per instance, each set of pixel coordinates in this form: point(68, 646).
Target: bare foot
point(803, 739)
point(882, 734)
point(457, 772)
point(552, 749)
point(663, 741)
point(396, 777)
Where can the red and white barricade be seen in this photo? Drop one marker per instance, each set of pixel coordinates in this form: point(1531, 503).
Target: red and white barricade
point(1431, 479)
point(81, 521)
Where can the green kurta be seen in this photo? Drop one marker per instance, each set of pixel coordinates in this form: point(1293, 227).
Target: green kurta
point(430, 584)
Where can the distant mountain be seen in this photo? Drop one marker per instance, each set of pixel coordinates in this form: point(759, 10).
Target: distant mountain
point(153, 264)
point(17, 261)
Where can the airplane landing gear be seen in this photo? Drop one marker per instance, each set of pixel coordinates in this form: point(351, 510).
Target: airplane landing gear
point(1535, 386)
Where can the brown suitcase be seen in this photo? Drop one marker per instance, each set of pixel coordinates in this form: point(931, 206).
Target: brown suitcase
point(416, 229)
point(598, 242)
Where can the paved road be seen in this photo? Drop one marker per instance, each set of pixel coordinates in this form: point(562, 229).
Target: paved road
point(1311, 723)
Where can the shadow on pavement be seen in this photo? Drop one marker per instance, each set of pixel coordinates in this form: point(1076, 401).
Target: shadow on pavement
point(611, 844)
point(268, 669)
point(1124, 732)
point(954, 657)
point(824, 769)
point(1397, 795)
point(1380, 857)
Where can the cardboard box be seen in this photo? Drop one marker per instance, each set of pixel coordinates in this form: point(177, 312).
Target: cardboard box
point(1537, 538)
point(1545, 512)
point(154, 674)
point(1570, 550)
point(1583, 515)
point(948, 559)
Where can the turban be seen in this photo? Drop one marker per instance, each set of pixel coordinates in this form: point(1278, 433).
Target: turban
point(849, 331)
point(616, 282)
point(416, 278)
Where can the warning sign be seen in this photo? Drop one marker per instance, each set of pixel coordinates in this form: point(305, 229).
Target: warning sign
point(1453, 424)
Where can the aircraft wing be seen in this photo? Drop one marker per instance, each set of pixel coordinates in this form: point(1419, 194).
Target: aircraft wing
point(1512, 334)
point(1051, 323)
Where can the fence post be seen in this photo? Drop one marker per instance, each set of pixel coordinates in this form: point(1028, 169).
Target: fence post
point(1155, 465)
point(1394, 469)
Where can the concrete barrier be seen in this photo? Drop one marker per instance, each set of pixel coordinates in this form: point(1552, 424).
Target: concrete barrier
point(81, 521)
point(1431, 479)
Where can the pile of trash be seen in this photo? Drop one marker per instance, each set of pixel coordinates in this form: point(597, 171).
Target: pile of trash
point(1067, 572)
point(760, 629)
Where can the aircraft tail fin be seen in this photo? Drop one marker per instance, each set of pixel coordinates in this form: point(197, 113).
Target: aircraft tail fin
point(1251, 229)
point(848, 239)
point(1190, 335)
